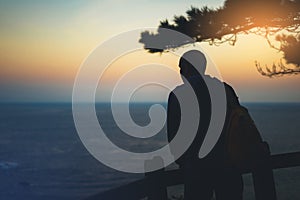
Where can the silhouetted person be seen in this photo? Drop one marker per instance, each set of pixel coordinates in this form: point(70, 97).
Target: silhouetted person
point(211, 174)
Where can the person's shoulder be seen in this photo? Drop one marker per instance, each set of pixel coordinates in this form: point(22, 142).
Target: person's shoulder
point(232, 98)
point(178, 88)
point(229, 89)
point(218, 81)
point(213, 79)
point(228, 86)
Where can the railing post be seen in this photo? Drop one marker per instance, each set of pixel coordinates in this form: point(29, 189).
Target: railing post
point(159, 190)
point(263, 179)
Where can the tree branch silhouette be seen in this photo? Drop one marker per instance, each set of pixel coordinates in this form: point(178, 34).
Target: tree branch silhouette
point(268, 18)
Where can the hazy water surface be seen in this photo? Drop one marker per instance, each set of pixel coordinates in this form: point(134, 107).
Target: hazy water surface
point(41, 156)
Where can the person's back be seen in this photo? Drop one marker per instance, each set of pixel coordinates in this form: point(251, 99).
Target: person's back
point(202, 176)
point(174, 116)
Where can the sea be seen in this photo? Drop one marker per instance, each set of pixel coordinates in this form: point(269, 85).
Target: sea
point(42, 156)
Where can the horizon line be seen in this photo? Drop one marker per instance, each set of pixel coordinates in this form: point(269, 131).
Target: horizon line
point(122, 102)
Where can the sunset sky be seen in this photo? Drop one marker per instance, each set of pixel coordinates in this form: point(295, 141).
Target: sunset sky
point(43, 44)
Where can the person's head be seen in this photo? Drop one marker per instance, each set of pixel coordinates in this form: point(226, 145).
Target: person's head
point(192, 63)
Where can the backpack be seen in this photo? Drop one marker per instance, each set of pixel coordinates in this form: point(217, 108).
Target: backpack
point(244, 146)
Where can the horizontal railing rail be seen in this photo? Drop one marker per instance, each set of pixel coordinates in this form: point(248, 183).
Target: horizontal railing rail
point(149, 185)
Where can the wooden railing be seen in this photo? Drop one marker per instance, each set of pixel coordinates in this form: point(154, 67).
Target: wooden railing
point(154, 185)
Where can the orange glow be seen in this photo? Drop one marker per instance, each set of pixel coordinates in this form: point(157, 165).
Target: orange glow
point(40, 51)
